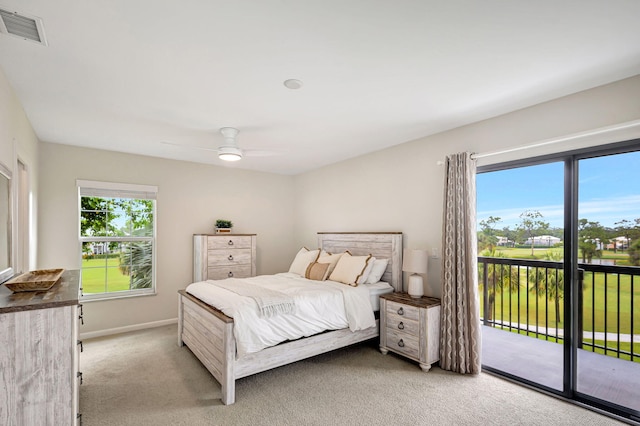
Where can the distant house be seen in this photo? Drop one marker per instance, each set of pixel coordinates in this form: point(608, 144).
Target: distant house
point(504, 242)
point(544, 240)
point(619, 243)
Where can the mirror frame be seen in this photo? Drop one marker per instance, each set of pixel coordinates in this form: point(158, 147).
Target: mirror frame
point(7, 273)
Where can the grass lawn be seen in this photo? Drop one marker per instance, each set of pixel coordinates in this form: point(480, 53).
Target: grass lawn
point(513, 307)
point(98, 278)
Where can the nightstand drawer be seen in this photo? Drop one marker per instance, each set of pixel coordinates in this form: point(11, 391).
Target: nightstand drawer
point(227, 256)
point(229, 242)
point(236, 271)
point(403, 343)
point(395, 322)
point(403, 310)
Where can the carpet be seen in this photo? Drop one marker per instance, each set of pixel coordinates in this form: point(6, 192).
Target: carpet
point(144, 378)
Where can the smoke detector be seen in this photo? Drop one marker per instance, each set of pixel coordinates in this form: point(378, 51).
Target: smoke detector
point(23, 26)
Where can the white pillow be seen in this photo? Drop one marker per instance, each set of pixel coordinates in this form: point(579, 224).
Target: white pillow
point(303, 258)
point(349, 269)
point(377, 271)
point(331, 259)
point(367, 271)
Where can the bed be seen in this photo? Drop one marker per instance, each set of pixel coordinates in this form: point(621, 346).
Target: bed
point(209, 333)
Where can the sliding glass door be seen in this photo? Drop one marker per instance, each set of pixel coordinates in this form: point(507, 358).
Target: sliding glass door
point(608, 335)
point(521, 271)
point(559, 274)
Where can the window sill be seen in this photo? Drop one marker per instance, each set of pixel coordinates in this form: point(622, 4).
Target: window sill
point(112, 296)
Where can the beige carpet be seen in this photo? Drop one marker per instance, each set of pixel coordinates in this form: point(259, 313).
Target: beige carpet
point(144, 378)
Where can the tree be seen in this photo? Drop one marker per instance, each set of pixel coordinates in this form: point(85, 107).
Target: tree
point(590, 237)
point(487, 237)
point(531, 225)
point(549, 282)
point(625, 229)
point(509, 234)
point(499, 278)
point(634, 253)
point(94, 219)
point(135, 261)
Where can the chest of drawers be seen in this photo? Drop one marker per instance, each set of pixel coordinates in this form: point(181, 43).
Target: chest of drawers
point(217, 257)
point(410, 327)
point(39, 355)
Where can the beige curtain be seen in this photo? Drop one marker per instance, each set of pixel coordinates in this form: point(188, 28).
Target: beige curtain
point(460, 335)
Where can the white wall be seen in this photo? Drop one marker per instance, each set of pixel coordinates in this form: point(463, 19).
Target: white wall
point(190, 197)
point(400, 188)
point(18, 141)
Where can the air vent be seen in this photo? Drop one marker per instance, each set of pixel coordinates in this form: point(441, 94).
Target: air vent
point(23, 26)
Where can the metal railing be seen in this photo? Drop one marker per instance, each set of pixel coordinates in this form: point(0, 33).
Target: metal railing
point(526, 297)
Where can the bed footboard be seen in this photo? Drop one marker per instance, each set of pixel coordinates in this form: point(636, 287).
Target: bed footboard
point(209, 335)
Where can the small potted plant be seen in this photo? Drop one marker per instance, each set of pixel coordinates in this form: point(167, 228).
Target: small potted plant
point(223, 226)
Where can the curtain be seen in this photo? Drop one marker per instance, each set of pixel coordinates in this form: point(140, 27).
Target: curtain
point(460, 334)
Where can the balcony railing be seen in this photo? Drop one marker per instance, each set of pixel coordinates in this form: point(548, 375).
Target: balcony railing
point(526, 297)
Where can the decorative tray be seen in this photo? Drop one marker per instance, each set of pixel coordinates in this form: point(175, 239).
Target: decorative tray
point(40, 280)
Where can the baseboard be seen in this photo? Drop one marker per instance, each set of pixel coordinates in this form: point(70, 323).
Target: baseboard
point(135, 327)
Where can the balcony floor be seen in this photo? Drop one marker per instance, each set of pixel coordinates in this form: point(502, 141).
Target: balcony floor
point(605, 377)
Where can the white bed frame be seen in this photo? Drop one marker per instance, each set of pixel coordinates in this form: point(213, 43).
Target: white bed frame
point(209, 333)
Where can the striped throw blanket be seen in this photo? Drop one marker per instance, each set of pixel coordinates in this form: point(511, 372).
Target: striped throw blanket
point(270, 302)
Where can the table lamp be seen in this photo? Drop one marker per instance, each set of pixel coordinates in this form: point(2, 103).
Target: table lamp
point(415, 261)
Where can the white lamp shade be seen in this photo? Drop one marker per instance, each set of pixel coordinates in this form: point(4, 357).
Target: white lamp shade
point(415, 261)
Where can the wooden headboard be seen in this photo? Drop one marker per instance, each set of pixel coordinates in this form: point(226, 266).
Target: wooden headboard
point(382, 245)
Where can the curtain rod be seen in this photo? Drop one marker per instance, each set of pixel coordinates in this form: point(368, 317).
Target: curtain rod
point(594, 132)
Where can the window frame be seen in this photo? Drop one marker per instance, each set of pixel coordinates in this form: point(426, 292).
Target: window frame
point(88, 188)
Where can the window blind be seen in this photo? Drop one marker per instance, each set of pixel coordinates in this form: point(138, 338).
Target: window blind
point(90, 188)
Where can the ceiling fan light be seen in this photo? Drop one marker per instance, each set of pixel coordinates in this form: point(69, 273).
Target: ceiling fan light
point(229, 153)
point(229, 157)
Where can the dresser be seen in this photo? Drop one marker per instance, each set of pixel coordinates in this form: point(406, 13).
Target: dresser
point(219, 256)
point(410, 327)
point(39, 355)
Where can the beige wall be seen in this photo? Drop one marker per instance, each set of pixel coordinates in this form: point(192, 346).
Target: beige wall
point(400, 188)
point(190, 197)
point(18, 141)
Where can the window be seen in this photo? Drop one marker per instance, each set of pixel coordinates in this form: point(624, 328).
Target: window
point(117, 239)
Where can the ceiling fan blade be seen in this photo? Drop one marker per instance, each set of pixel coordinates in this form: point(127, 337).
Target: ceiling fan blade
point(262, 152)
point(190, 146)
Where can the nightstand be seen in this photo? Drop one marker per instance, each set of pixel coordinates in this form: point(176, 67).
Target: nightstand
point(410, 327)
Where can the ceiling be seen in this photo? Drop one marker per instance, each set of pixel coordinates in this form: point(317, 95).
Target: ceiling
point(127, 75)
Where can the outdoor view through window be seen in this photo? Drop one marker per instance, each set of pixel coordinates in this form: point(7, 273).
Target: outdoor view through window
point(117, 244)
point(521, 248)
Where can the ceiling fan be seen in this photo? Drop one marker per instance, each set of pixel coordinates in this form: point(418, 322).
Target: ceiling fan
point(229, 150)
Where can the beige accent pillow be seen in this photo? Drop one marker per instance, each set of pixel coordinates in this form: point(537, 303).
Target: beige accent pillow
point(317, 271)
point(349, 269)
point(303, 258)
point(331, 259)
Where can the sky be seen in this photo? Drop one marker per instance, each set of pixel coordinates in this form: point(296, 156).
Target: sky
point(609, 191)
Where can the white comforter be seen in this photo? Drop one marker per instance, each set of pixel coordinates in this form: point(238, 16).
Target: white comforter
point(320, 306)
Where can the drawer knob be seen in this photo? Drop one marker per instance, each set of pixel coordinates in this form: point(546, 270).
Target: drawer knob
point(230, 257)
point(400, 311)
point(230, 274)
point(401, 343)
point(401, 325)
point(230, 242)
